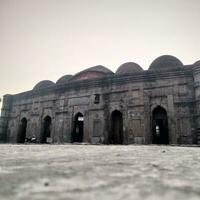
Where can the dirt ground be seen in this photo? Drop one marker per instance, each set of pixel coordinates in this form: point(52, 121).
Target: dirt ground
point(99, 172)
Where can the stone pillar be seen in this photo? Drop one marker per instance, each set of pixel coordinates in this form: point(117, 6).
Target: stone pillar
point(5, 113)
point(147, 120)
point(171, 120)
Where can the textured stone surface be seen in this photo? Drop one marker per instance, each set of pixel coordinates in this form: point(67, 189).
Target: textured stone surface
point(99, 172)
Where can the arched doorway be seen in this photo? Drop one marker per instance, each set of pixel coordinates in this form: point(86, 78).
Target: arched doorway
point(116, 136)
point(22, 131)
point(46, 129)
point(160, 126)
point(78, 130)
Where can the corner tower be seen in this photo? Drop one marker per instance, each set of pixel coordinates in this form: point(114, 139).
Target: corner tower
point(5, 113)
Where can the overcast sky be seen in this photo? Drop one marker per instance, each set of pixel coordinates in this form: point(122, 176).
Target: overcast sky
point(46, 39)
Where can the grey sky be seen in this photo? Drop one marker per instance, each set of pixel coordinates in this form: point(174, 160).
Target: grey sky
point(46, 39)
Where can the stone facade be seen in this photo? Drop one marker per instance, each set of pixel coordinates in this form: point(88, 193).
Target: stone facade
point(160, 105)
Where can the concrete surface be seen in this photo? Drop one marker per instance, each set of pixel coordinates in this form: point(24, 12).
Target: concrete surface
point(99, 172)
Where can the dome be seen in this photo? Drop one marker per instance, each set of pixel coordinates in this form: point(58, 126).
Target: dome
point(165, 62)
point(98, 68)
point(197, 63)
point(43, 84)
point(129, 68)
point(92, 72)
point(64, 79)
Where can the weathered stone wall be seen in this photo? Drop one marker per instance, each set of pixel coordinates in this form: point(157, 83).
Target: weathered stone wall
point(196, 86)
point(135, 96)
point(175, 94)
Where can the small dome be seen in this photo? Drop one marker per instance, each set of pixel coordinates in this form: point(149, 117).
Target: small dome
point(165, 62)
point(197, 63)
point(129, 68)
point(64, 79)
point(43, 84)
point(98, 68)
point(92, 72)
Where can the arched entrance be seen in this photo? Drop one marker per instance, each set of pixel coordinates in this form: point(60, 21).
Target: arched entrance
point(78, 130)
point(46, 129)
point(116, 136)
point(160, 126)
point(22, 131)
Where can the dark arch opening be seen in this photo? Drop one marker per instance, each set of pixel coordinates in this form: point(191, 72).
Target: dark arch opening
point(160, 126)
point(116, 136)
point(78, 130)
point(22, 131)
point(46, 129)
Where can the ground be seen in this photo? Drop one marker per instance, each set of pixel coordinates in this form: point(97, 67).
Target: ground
point(99, 172)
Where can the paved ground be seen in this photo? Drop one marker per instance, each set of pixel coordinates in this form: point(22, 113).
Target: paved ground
point(99, 172)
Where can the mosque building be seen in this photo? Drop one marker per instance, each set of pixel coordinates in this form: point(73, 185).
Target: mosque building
point(160, 105)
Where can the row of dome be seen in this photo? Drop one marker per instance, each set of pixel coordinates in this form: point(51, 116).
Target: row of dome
point(166, 62)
